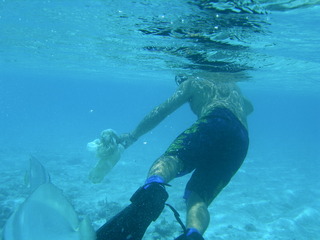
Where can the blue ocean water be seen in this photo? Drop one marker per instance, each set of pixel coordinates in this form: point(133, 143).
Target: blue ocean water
point(68, 70)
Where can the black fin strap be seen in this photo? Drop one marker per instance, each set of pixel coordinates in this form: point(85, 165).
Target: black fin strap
point(177, 216)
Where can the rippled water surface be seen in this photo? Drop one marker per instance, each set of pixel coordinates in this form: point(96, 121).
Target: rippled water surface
point(99, 37)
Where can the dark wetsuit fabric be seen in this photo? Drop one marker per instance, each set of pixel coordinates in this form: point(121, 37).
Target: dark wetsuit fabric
point(214, 147)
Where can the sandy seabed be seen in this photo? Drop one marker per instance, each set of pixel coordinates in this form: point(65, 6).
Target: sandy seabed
point(259, 203)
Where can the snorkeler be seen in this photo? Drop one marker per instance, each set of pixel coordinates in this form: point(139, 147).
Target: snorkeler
point(213, 148)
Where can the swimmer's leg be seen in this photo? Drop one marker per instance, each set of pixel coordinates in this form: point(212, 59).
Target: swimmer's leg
point(198, 216)
point(166, 167)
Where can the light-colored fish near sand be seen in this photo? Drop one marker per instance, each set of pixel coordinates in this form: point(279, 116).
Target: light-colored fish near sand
point(36, 175)
point(46, 215)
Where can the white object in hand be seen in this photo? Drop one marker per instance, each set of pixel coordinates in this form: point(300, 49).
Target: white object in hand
point(108, 152)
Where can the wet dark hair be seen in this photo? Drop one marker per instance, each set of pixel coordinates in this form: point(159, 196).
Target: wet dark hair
point(180, 79)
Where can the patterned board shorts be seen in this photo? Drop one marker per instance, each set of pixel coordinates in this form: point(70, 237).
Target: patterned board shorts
point(214, 147)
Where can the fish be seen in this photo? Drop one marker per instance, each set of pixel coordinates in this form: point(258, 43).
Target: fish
point(36, 175)
point(46, 214)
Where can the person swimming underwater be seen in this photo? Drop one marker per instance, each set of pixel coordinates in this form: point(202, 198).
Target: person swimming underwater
point(212, 149)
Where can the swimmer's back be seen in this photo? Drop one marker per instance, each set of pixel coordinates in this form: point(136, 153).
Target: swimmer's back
point(208, 95)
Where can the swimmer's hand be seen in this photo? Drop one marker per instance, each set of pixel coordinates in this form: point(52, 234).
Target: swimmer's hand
point(126, 139)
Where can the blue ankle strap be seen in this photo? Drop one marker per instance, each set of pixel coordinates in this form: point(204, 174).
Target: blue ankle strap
point(192, 230)
point(154, 178)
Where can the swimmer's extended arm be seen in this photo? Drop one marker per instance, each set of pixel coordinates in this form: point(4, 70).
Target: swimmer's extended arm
point(181, 96)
